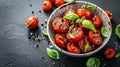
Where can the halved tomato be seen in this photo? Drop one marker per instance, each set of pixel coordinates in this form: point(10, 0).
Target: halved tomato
point(96, 38)
point(97, 21)
point(75, 34)
point(61, 40)
point(69, 11)
point(60, 25)
point(71, 47)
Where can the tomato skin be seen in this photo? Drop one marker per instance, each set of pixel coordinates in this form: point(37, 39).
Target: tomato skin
point(72, 48)
point(60, 25)
point(52, 1)
point(97, 21)
point(32, 22)
point(59, 2)
point(96, 38)
point(61, 40)
point(46, 5)
point(69, 11)
point(84, 12)
point(77, 32)
point(109, 53)
point(109, 13)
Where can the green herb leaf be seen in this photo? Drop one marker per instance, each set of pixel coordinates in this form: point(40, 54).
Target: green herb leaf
point(117, 30)
point(92, 8)
point(44, 32)
point(71, 35)
point(68, 1)
point(117, 55)
point(80, 20)
point(71, 16)
point(86, 47)
point(52, 53)
point(71, 27)
point(88, 24)
point(104, 31)
point(93, 62)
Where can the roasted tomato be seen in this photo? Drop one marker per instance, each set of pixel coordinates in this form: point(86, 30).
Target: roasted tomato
point(69, 11)
point(109, 53)
point(61, 40)
point(109, 13)
point(32, 22)
point(47, 5)
point(59, 2)
point(71, 47)
point(84, 12)
point(60, 25)
point(52, 1)
point(97, 21)
point(82, 44)
point(95, 38)
point(75, 34)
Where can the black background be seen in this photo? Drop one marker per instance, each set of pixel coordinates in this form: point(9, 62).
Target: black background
point(16, 50)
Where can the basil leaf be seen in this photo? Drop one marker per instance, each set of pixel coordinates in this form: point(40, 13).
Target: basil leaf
point(117, 30)
point(88, 24)
point(104, 31)
point(71, 16)
point(86, 47)
point(92, 8)
point(93, 62)
point(117, 55)
point(71, 27)
point(68, 1)
point(71, 35)
point(52, 53)
point(80, 20)
point(44, 32)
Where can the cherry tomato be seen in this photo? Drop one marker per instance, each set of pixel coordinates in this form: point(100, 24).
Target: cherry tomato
point(61, 40)
point(97, 21)
point(83, 42)
point(59, 2)
point(75, 34)
point(32, 22)
point(95, 38)
point(60, 25)
point(47, 5)
point(51, 1)
point(69, 11)
point(84, 12)
point(71, 47)
point(109, 53)
point(109, 13)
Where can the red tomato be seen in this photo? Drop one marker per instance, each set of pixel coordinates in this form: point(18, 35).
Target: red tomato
point(109, 13)
point(97, 21)
point(71, 47)
point(59, 2)
point(51, 1)
point(47, 5)
point(61, 40)
point(60, 25)
point(77, 34)
point(109, 53)
point(32, 22)
point(84, 12)
point(95, 38)
point(83, 42)
point(69, 11)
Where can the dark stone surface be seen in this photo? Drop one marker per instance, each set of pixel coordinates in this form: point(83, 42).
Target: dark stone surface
point(16, 50)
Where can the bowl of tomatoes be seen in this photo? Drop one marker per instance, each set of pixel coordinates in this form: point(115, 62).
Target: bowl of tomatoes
point(79, 28)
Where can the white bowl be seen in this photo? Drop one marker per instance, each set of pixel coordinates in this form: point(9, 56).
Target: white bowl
point(75, 5)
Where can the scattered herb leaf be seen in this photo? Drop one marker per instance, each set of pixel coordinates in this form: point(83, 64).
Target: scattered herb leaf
point(117, 55)
point(88, 24)
point(71, 27)
point(80, 20)
point(117, 30)
point(44, 32)
point(52, 53)
point(92, 8)
point(71, 35)
point(86, 47)
point(104, 31)
point(71, 16)
point(93, 62)
point(68, 1)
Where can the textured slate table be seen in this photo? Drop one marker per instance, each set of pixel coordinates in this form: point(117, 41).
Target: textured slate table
point(16, 50)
